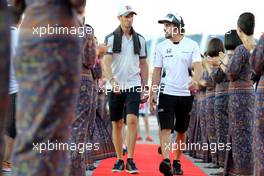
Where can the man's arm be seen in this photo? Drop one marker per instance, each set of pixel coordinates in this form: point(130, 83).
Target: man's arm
point(156, 77)
point(144, 79)
point(197, 67)
point(107, 61)
point(144, 71)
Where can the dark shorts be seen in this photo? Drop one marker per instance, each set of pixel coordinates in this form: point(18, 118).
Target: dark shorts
point(125, 103)
point(10, 119)
point(174, 112)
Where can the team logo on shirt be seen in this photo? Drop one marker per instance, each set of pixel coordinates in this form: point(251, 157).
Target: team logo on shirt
point(168, 51)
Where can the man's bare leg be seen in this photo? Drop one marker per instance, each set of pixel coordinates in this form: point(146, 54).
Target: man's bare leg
point(180, 138)
point(118, 137)
point(132, 125)
point(165, 137)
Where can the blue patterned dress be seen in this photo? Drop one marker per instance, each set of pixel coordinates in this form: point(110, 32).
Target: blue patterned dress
point(210, 118)
point(101, 133)
point(203, 154)
point(197, 127)
point(257, 63)
point(241, 109)
point(90, 154)
point(84, 107)
point(98, 130)
point(47, 70)
point(221, 111)
point(192, 124)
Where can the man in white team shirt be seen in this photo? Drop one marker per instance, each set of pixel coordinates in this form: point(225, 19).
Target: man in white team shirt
point(126, 68)
point(174, 57)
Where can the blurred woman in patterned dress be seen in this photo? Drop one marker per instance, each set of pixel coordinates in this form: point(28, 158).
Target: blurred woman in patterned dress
point(97, 132)
point(84, 103)
point(101, 134)
point(47, 70)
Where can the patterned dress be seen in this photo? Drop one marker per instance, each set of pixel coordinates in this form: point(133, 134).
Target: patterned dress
point(241, 109)
point(47, 70)
point(4, 67)
point(98, 130)
point(257, 62)
point(102, 134)
point(210, 118)
point(221, 111)
point(191, 129)
point(197, 128)
point(84, 108)
point(90, 154)
point(203, 154)
point(200, 127)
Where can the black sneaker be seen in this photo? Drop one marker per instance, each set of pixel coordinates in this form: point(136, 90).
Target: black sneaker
point(119, 166)
point(131, 167)
point(177, 168)
point(165, 167)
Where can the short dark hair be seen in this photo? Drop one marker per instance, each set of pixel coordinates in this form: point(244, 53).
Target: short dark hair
point(215, 46)
point(246, 22)
point(231, 40)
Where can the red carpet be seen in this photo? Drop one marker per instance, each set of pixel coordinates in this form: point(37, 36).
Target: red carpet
point(147, 160)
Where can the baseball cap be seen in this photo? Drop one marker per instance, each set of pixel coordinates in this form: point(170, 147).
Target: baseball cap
point(125, 10)
point(172, 18)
